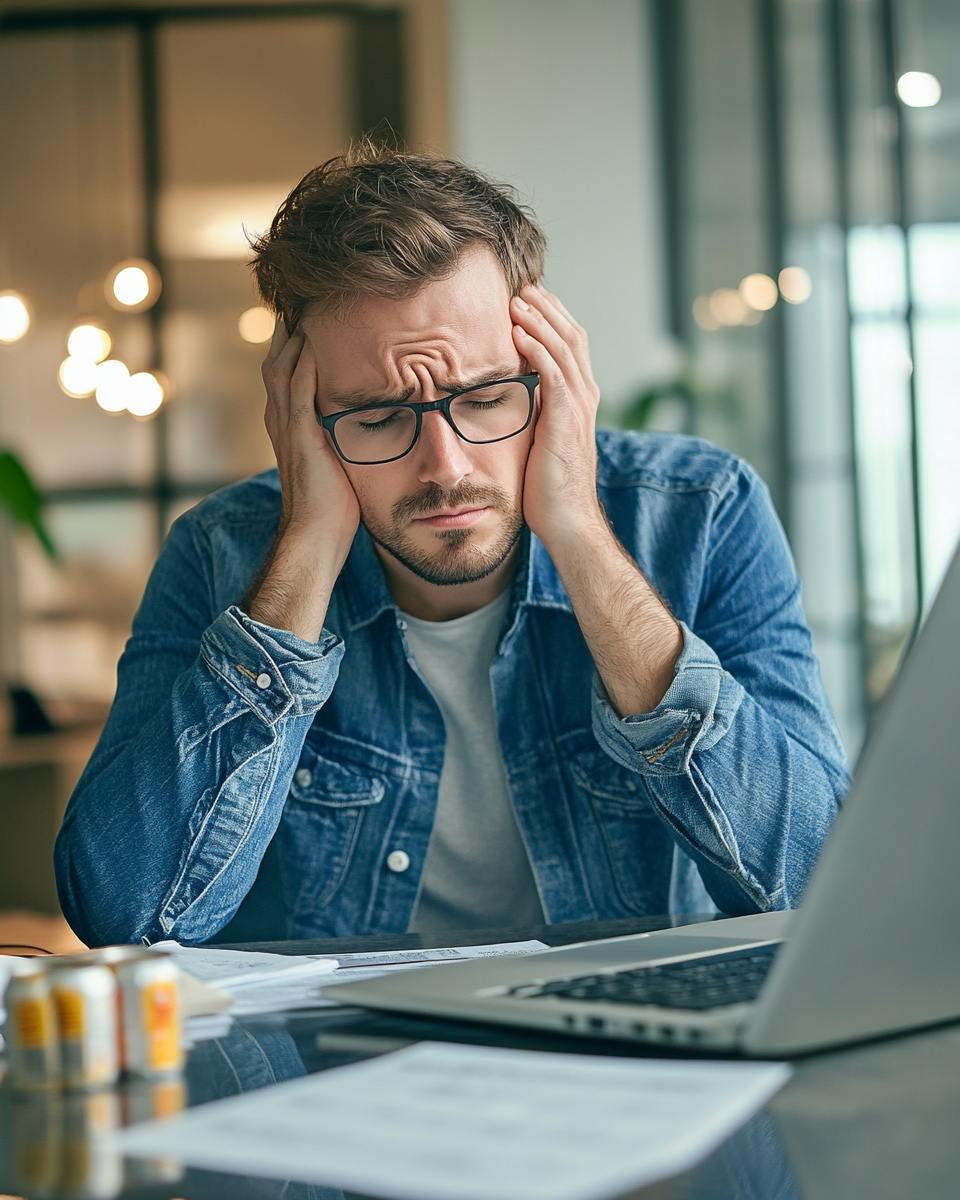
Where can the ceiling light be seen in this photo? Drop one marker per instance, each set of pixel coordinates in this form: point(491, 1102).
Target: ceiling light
point(132, 285)
point(257, 325)
point(14, 316)
point(78, 376)
point(919, 89)
point(728, 306)
point(795, 285)
point(144, 394)
point(758, 291)
point(89, 342)
point(201, 221)
point(113, 380)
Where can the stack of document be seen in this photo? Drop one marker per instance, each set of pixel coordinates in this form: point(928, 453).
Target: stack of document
point(257, 983)
point(264, 983)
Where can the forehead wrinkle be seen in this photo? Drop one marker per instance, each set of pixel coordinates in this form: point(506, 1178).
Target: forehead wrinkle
point(357, 399)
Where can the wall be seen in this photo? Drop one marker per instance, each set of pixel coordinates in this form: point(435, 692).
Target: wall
point(556, 97)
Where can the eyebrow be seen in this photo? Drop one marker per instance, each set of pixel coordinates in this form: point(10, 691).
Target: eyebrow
point(357, 399)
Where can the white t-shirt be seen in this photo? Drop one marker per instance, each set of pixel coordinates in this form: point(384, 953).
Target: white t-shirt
point(477, 871)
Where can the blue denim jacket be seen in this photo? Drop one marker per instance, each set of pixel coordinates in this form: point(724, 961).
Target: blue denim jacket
point(227, 736)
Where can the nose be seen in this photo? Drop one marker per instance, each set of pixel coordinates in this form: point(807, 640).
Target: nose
point(441, 455)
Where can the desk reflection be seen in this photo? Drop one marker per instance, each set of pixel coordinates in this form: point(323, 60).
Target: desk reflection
point(56, 1146)
point(750, 1165)
point(875, 1122)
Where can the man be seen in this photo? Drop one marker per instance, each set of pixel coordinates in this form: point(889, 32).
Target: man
point(461, 661)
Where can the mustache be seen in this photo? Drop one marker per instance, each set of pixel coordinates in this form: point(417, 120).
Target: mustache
point(433, 497)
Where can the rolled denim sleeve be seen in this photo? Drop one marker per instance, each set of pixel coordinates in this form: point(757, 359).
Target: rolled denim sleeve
point(741, 759)
point(696, 712)
point(273, 671)
point(165, 832)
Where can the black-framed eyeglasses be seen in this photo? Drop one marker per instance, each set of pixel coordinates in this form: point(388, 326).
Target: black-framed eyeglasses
point(382, 433)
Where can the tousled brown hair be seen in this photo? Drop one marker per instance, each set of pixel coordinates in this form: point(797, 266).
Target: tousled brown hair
point(378, 221)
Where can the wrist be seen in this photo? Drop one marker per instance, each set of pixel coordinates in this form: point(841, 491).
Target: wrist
point(583, 531)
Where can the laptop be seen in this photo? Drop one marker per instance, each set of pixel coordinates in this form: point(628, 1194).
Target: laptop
point(874, 948)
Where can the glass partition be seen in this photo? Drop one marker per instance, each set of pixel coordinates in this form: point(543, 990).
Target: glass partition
point(169, 136)
point(816, 142)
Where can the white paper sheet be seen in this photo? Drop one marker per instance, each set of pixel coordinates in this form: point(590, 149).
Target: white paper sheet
point(231, 970)
point(447, 1122)
point(263, 983)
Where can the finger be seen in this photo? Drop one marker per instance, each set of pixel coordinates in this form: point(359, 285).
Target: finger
point(303, 383)
point(277, 369)
point(554, 311)
point(534, 323)
point(560, 307)
point(552, 378)
point(278, 340)
point(573, 333)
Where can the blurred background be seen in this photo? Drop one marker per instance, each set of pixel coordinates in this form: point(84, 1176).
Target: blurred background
point(753, 206)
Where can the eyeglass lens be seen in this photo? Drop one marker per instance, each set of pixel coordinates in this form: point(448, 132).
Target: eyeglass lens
point(485, 415)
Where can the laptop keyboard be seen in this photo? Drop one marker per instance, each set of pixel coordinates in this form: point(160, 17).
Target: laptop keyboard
point(699, 984)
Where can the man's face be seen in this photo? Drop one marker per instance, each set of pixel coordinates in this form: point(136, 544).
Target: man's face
point(449, 511)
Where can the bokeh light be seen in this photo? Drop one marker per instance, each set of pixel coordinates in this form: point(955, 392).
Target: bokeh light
point(919, 89)
point(144, 394)
point(113, 382)
point(758, 292)
point(78, 376)
point(796, 285)
point(14, 316)
point(703, 316)
point(256, 325)
point(89, 342)
point(132, 285)
point(728, 306)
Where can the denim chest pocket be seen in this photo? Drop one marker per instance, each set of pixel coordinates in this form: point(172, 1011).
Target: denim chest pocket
point(639, 846)
point(321, 824)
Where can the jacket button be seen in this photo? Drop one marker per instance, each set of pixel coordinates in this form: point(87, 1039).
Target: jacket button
point(398, 860)
point(303, 777)
point(263, 681)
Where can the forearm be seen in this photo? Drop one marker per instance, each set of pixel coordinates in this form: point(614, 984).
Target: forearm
point(130, 855)
point(292, 590)
point(633, 639)
point(166, 830)
point(746, 798)
point(753, 812)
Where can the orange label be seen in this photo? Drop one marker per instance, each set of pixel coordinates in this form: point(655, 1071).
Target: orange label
point(33, 1023)
point(161, 1024)
point(70, 1006)
point(168, 1098)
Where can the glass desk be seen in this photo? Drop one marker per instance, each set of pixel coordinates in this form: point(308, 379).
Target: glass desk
point(872, 1122)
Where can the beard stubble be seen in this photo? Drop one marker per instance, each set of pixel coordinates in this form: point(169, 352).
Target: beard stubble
point(456, 560)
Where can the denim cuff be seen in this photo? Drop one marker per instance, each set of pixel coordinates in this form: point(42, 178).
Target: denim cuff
point(695, 713)
point(273, 671)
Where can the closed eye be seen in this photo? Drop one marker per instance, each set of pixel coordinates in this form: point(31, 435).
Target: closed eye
point(374, 423)
point(482, 404)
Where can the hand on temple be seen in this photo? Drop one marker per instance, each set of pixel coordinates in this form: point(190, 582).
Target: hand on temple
point(320, 508)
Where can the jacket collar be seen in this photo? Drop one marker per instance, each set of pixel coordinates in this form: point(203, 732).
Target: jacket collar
point(362, 586)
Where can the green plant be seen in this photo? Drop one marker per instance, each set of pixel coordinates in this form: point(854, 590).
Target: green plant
point(23, 501)
point(639, 411)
